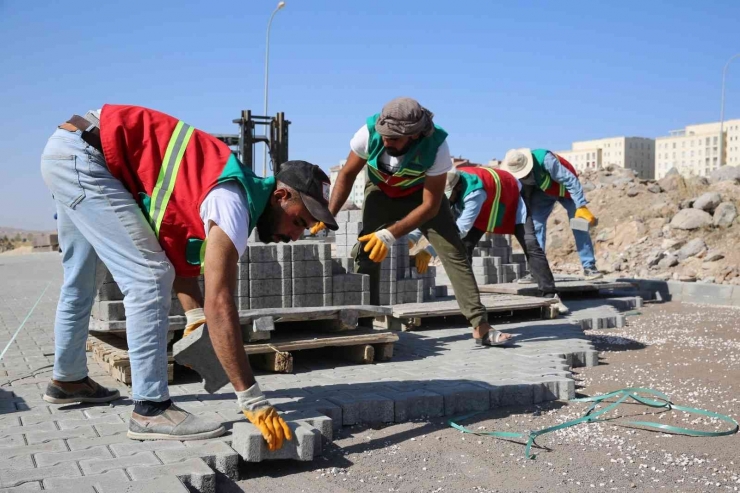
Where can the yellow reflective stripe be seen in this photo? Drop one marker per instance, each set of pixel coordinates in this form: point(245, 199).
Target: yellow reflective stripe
point(493, 218)
point(546, 182)
point(377, 174)
point(409, 172)
point(168, 173)
point(203, 256)
point(407, 183)
point(562, 190)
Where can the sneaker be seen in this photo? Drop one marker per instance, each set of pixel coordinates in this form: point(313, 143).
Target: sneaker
point(86, 391)
point(173, 424)
point(592, 274)
point(562, 309)
point(528, 279)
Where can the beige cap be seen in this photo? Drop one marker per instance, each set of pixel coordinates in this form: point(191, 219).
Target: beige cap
point(518, 162)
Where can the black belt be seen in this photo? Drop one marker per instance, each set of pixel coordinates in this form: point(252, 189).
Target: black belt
point(90, 133)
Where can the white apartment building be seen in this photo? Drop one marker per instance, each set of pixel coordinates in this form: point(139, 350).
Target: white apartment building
point(357, 195)
point(694, 151)
point(636, 153)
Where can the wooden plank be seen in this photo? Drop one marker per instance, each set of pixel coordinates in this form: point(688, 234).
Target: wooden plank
point(383, 352)
point(362, 353)
point(319, 340)
point(513, 288)
point(496, 303)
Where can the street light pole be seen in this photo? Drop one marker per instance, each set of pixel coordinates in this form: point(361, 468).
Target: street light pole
point(722, 113)
point(267, 61)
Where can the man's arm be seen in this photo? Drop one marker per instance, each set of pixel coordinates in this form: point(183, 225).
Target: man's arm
point(472, 204)
point(434, 187)
point(562, 175)
point(188, 292)
point(223, 319)
point(345, 181)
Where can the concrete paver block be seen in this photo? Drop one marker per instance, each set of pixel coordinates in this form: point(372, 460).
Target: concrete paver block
point(217, 455)
point(464, 398)
point(83, 483)
point(251, 446)
point(196, 351)
point(100, 466)
point(194, 473)
point(417, 404)
point(323, 406)
point(364, 408)
point(163, 484)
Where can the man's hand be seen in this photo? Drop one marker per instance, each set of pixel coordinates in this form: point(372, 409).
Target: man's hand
point(584, 213)
point(194, 319)
point(257, 409)
point(319, 226)
point(378, 244)
point(422, 261)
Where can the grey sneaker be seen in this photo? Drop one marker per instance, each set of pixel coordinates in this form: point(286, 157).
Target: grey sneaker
point(85, 391)
point(592, 274)
point(173, 424)
point(562, 309)
point(528, 279)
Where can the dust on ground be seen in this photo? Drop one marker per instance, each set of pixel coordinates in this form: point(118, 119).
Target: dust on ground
point(690, 352)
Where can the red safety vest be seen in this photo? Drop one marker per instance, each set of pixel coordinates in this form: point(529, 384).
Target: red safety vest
point(498, 214)
point(169, 167)
point(546, 182)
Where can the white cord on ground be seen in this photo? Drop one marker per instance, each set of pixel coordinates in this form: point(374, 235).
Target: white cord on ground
point(24, 321)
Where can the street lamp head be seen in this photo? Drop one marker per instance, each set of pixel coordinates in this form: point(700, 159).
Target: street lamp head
point(281, 5)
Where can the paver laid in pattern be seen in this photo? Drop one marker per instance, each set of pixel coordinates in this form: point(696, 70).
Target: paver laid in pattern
point(435, 372)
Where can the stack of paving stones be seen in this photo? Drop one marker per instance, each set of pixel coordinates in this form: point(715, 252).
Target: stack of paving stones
point(493, 262)
point(434, 373)
point(46, 242)
point(299, 274)
point(399, 281)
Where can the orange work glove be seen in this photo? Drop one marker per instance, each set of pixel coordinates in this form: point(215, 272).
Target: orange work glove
point(378, 244)
point(257, 409)
point(319, 226)
point(584, 213)
point(422, 261)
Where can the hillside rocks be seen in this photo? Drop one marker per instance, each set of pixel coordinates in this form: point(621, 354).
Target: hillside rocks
point(675, 228)
point(691, 219)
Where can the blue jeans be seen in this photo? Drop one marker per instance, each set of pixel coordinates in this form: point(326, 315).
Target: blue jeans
point(542, 205)
point(100, 223)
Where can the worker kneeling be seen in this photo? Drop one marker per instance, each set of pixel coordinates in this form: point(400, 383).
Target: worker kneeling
point(141, 192)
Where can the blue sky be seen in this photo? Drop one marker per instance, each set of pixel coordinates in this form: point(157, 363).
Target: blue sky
point(496, 74)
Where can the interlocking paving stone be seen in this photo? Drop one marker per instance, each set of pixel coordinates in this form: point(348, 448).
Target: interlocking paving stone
point(194, 473)
point(85, 482)
point(55, 458)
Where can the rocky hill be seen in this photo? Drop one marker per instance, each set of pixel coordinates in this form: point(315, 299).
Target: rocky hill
point(675, 228)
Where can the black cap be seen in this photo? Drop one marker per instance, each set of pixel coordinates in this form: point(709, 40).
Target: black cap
point(313, 185)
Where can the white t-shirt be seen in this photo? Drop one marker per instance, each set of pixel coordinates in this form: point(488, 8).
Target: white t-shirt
point(359, 145)
point(226, 205)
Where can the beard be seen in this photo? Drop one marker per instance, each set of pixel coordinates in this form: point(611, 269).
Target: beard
point(393, 152)
point(267, 224)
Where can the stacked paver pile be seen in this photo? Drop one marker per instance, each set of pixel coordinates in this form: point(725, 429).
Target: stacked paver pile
point(300, 274)
point(399, 281)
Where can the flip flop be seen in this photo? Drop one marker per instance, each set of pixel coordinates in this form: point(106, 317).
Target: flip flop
point(493, 338)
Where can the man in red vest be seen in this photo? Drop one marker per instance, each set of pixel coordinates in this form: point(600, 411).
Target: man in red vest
point(548, 179)
point(406, 157)
point(152, 198)
point(488, 200)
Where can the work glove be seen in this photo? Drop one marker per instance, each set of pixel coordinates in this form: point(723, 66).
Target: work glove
point(584, 213)
point(319, 226)
point(422, 261)
point(260, 413)
point(193, 319)
point(378, 244)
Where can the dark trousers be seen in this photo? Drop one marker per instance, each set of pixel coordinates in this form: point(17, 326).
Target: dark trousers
point(380, 211)
point(538, 264)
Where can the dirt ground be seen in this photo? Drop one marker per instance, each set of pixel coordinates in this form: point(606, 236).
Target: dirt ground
point(690, 352)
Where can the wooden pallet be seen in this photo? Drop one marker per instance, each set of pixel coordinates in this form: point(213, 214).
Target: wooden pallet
point(345, 318)
point(359, 346)
point(111, 353)
point(409, 316)
point(569, 286)
point(258, 325)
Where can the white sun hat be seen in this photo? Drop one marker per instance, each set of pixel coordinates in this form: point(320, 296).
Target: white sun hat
point(452, 178)
point(518, 162)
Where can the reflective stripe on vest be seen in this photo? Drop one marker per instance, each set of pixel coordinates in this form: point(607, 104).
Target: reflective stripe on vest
point(493, 218)
point(168, 173)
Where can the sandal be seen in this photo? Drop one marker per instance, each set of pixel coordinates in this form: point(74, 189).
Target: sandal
point(493, 338)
